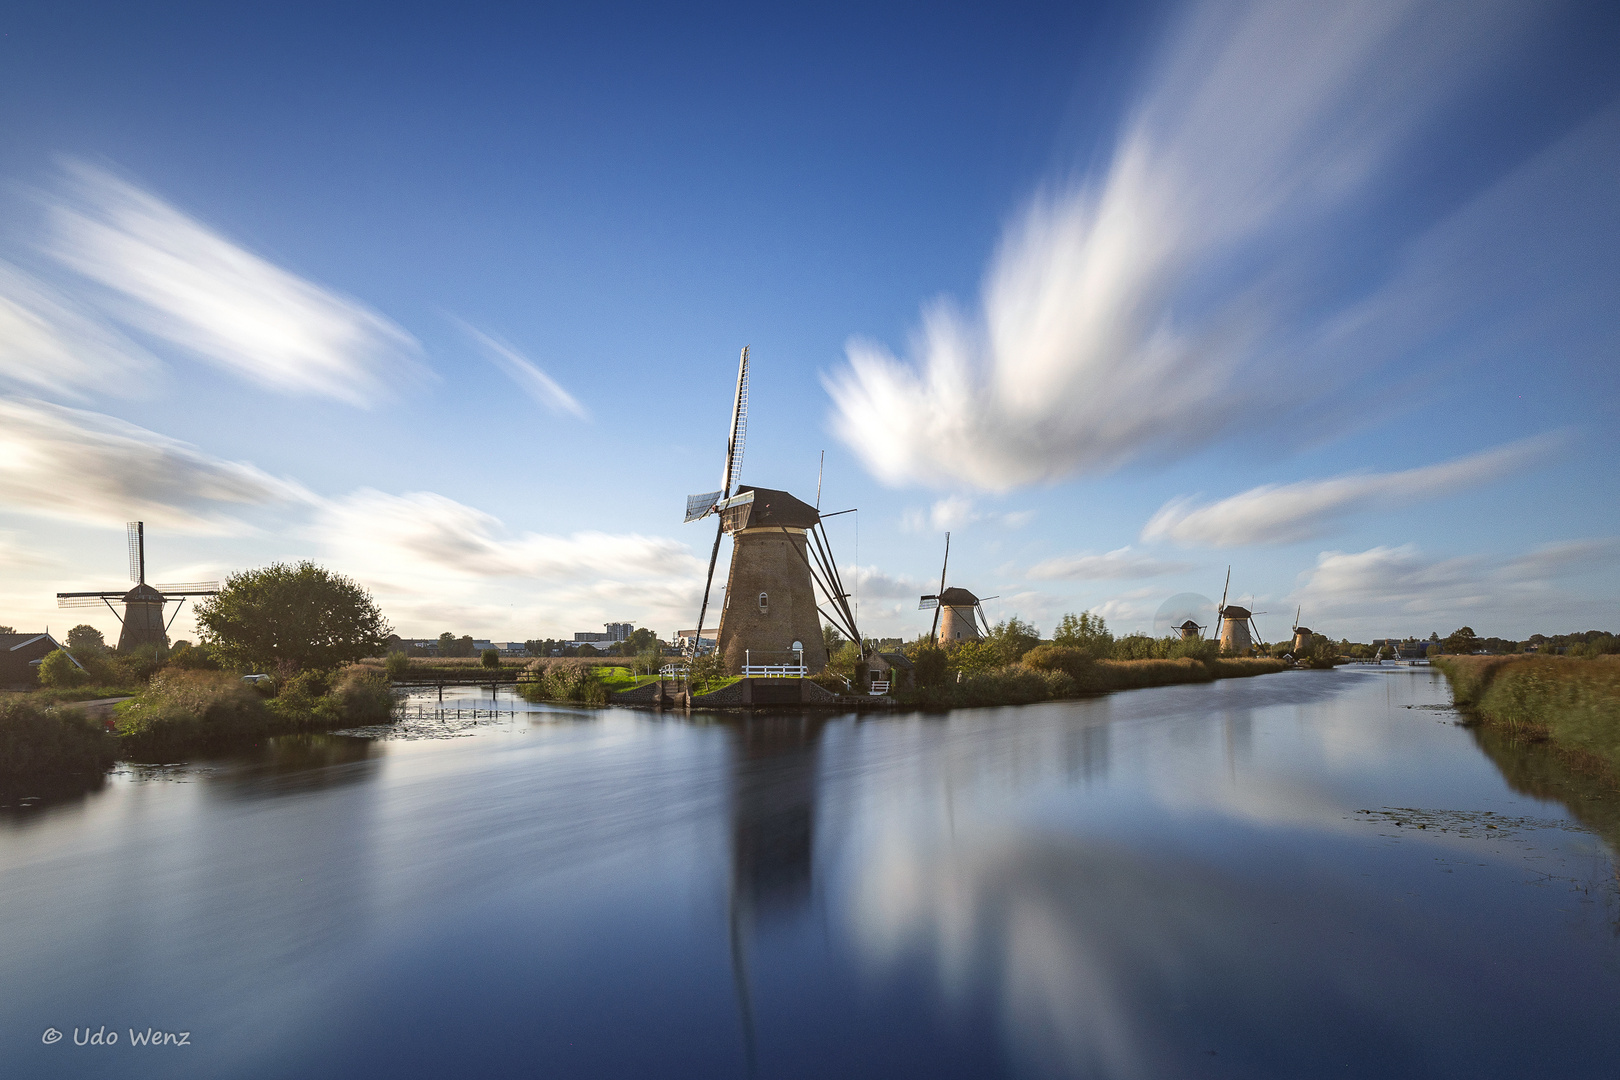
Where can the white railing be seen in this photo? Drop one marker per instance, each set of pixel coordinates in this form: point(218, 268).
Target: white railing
point(879, 686)
point(775, 671)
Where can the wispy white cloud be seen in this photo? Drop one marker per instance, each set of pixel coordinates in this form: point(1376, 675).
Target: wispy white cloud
point(52, 346)
point(180, 281)
point(527, 374)
point(1285, 513)
point(960, 511)
point(1401, 590)
point(1117, 565)
point(428, 556)
point(91, 468)
point(1115, 320)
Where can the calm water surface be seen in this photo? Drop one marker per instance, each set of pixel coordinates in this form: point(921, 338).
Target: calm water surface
point(1162, 883)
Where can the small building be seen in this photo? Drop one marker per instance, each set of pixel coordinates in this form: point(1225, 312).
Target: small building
point(20, 656)
point(886, 671)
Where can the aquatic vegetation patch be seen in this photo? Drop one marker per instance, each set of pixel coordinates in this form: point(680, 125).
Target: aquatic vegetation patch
point(38, 744)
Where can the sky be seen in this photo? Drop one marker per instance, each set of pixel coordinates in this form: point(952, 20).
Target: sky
point(449, 299)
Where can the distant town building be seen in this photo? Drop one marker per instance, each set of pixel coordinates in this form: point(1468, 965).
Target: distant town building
point(616, 631)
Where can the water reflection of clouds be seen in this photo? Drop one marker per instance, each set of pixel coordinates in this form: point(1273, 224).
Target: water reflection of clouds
point(1109, 963)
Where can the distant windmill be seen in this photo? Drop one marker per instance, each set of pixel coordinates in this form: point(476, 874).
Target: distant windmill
point(958, 606)
point(1302, 634)
point(1190, 631)
point(143, 605)
point(779, 556)
point(1235, 623)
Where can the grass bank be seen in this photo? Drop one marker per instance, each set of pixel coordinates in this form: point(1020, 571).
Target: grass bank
point(1054, 673)
point(1572, 703)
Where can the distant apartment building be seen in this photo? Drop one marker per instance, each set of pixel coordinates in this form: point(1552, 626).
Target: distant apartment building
point(683, 641)
point(616, 631)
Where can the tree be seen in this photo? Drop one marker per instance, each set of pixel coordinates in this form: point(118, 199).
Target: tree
point(1462, 642)
point(831, 638)
point(1013, 638)
point(85, 636)
point(640, 640)
point(8, 629)
point(397, 665)
point(1086, 632)
point(447, 644)
point(490, 658)
point(59, 671)
point(304, 617)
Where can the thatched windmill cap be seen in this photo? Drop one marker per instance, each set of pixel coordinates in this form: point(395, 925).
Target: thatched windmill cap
point(768, 509)
point(954, 597)
point(1235, 612)
point(1189, 625)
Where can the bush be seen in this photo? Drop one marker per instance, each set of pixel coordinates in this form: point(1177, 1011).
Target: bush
point(305, 702)
point(397, 665)
point(44, 745)
point(577, 682)
point(364, 695)
point(58, 671)
point(189, 657)
point(181, 711)
point(1074, 661)
point(490, 658)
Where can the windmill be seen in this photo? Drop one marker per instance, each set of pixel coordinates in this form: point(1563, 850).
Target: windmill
point(1235, 623)
point(1302, 634)
point(143, 605)
point(780, 555)
point(959, 606)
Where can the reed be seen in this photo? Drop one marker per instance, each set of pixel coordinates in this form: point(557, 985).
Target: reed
point(1575, 703)
point(51, 746)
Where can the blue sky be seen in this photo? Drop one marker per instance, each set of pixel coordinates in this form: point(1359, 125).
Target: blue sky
point(450, 298)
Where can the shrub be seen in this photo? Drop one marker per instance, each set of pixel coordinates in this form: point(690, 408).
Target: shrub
point(58, 671)
point(577, 682)
point(364, 695)
point(180, 711)
point(41, 745)
point(189, 657)
point(397, 665)
point(1071, 660)
point(490, 658)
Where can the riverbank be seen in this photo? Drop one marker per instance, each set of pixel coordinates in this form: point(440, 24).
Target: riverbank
point(1057, 674)
point(53, 743)
point(1573, 704)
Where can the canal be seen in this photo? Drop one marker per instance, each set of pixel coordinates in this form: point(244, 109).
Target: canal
point(1304, 874)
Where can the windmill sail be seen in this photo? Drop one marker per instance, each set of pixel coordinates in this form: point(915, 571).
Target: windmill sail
point(137, 552)
point(701, 506)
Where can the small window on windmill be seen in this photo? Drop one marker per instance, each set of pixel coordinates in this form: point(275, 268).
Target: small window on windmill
point(764, 603)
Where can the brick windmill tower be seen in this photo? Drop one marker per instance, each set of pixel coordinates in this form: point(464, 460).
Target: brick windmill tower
point(143, 622)
point(780, 555)
point(1236, 623)
point(957, 613)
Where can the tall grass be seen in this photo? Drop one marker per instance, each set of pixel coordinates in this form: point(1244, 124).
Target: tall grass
point(1573, 702)
point(51, 746)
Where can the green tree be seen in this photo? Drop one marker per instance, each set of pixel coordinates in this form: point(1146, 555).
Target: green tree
point(1462, 642)
point(304, 617)
point(831, 638)
point(640, 640)
point(59, 671)
point(85, 636)
point(490, 658)
point(1086, 632)
point(447, 644)
point(8, 629)
point(397, 664)
point(1013, 638)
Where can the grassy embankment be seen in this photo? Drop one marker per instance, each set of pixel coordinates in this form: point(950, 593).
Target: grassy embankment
point(45, 740)
point(1055, 672)
point(1573, 704)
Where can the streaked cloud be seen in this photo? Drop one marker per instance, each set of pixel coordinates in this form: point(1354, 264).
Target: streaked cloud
point(1118, 565)
point(174, 278)
point(1154, 307)
point(541, 387)
point(1285, 513)
point(960, 511)
point(50, 345)
point(91, 468)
